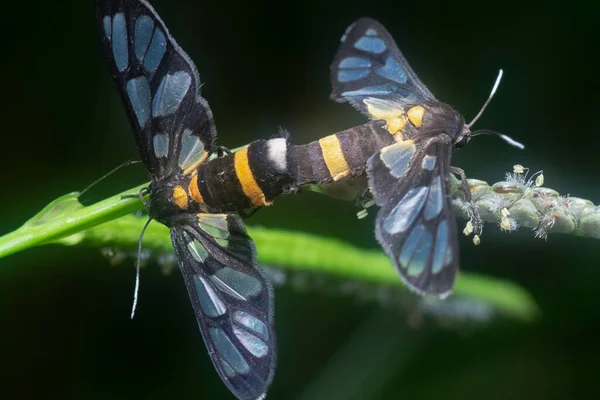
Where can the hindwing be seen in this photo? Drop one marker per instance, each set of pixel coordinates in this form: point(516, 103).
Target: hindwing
point(416, 225)
point(159, 86)
point(232, 300)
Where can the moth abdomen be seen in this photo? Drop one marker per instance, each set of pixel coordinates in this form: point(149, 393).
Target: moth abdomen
point(249, 178)
point(255, 175)
point(338, 156)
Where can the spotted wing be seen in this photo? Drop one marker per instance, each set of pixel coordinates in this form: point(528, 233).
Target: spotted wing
point(232, 300)
point(159, 86)
point(416, 225)
point(370, 72)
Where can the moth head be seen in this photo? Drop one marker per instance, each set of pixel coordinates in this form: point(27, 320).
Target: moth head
point(463, 138)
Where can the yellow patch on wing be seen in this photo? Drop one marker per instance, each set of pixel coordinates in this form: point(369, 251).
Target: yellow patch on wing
point(415, 115)
point(246, 178)
point(389, 111)
point(334, 157)
point(180, 197)
point(383, 109)
point(195, 166)
point(395, 125)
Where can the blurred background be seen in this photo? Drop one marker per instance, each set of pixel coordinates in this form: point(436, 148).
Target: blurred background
point(64, 312)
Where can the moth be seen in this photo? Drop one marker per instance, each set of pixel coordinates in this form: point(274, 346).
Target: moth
point(175, 134)
point(409, 179)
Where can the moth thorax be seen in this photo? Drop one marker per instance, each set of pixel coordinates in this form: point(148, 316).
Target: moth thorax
point(167, 200)
point(440, 117)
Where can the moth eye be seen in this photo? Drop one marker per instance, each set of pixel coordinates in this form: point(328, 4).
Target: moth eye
point(462, 142)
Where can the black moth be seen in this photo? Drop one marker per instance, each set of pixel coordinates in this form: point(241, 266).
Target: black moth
point(409, 179)
point(175, 134)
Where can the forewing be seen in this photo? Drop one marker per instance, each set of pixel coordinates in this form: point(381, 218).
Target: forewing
point(159, 86)
point(232, 300)
point(370, 72)
point(416, 225)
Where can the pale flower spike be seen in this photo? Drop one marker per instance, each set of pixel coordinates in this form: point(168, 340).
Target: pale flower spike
point(518, 169)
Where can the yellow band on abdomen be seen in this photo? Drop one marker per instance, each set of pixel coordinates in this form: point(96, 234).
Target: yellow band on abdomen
point(194, 190)
point(334, 157)
point(246, 178)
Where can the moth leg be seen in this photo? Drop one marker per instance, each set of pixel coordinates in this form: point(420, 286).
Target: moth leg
point(143, 192)
point(222, 150)
point(364, 201)
point(463, 180)
point(247, 214)
point(291, 188)
point(472, 210)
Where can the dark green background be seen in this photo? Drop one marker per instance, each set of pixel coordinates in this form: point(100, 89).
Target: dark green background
point(64, 312)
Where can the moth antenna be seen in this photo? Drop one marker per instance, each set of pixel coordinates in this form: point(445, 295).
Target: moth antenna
point(125, 164)
point(498, 79)
point(511, 141)
point(137, 268)
point(502, 136)
point(507, 139)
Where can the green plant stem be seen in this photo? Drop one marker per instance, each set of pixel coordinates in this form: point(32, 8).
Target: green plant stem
point(539, 208)
point(40, 231)
point(288, 250)
point(511, 203)
point(110, 223)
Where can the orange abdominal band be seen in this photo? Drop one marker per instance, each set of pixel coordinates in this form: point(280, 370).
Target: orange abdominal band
point(334, 157)
point(246, 178)
point(194, 191)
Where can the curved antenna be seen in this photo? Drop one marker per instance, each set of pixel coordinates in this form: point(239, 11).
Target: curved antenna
point(137, 268)
point(507, 139)
point(125, 164)
point(470, 124)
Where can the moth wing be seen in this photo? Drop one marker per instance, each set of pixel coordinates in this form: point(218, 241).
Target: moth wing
point(232, 300)
point(370, 72)
point(416, 225)
point(159, 85)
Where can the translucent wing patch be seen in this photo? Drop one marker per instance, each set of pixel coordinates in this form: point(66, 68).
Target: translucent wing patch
point(232, 300)
point(369, 67)
point(397, 156)
point(415, 225)
point(159, 86)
